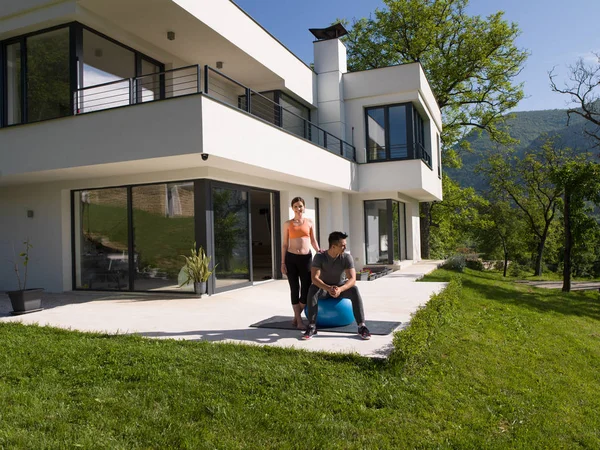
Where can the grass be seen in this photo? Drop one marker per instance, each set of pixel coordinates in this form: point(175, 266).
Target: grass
point(491, 364)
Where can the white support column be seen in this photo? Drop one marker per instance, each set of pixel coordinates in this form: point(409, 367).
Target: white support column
point(413, 231)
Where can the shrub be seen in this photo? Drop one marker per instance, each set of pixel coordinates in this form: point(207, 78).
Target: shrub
point(515, 269)
point(474, 264)
point(456, 263)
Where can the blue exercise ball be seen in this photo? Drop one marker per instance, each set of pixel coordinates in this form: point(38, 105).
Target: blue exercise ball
point(334, 312)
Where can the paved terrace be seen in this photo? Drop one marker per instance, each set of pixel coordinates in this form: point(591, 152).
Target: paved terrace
point(227, 317)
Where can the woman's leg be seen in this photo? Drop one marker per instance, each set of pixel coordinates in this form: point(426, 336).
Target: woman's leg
point(293, 275)
point(305, 278)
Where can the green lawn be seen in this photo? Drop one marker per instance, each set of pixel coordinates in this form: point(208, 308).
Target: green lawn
point(489, 365)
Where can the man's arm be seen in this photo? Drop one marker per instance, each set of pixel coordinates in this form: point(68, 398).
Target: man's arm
point(315, 273)
point(351, 279)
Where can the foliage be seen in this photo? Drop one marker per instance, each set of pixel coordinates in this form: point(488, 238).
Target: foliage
point(474, 264)
point(530, 129)
point(583, 89)
point(456, 263)
point(451, 219)
point(500, 231)
point(196, 268)
point(516, 270)
point(24, 255)
point(579, 179)
point(510, 366)
point(470, 62)
point(411, 343)
point(527, 183)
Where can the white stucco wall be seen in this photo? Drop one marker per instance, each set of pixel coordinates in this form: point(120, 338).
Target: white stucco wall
point(237, 27)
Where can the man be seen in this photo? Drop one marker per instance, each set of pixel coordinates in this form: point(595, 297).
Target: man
point(327, 272)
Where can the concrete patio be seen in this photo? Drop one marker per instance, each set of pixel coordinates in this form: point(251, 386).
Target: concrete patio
point(227, 317)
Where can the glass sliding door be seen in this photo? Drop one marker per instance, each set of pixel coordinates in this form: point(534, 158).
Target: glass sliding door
point(376, 218)
point(231, 236)
point(263, 243)
point(101, 243)
point(13, 83)
point(163, 230)
point(385, 231)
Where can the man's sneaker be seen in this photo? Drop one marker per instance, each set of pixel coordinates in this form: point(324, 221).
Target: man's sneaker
point(311, 330)
point(363, 332)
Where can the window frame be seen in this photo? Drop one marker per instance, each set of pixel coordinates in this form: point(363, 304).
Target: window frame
point(75, 67)
point(412, 141)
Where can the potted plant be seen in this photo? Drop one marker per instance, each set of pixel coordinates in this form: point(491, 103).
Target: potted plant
point(24, 300)
point(196, 270)
point(363, 275)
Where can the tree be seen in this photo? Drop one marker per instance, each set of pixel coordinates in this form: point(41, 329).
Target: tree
point(528, 183)
point(453, 218)
point(470, 63)
point(500, 228)
point(584, 89)
point(580, 181)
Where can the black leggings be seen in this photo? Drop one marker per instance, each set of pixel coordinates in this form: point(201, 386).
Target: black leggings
point(298, 272)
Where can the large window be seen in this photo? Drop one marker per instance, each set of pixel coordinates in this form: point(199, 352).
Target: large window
point(385, 231)
point(163, 224)
point(101, 237)
point(395, 132)
point(232, 250)
point(48, 85)
point(13, 83)
point(36, 81)
point(43, 69)
point(133, 238)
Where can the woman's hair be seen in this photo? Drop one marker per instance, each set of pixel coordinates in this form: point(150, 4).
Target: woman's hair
point(298, 199)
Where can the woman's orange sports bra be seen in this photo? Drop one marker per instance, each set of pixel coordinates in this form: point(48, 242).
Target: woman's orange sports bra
point(299, 231)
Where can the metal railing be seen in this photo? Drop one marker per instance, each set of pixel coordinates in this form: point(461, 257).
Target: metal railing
point(142, 89)
point(220, 86)
point(186, 81)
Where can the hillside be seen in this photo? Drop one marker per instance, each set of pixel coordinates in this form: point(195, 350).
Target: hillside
point(530, 128)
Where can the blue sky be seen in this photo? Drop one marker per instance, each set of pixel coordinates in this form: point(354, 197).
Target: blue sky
point(556, 33)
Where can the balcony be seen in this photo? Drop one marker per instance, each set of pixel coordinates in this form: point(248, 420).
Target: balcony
point(194, 79)
point(174, 120)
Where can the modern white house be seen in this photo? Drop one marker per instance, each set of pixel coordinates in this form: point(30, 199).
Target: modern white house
point(130, 129)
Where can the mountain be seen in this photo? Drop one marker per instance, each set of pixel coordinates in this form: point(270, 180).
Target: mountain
point(531, 128)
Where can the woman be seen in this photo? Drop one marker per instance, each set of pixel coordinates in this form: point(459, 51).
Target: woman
point(296, 257)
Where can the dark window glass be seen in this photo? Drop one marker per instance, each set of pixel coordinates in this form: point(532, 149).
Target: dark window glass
point(376, 134)
point(376, 231)
point(148, 85)
point(13, 83)
point(230, 207)
point(397, 125)
point(48, 87)
point(385, 245)
point(105, 62)
point(294, 115)
point(163, 221)
point(101, 239)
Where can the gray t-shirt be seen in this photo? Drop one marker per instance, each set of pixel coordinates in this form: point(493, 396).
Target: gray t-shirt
point(332, 269)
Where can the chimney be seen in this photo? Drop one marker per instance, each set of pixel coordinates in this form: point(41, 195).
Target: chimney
point(330, 65)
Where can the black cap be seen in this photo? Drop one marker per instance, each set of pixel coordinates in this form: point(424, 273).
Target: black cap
point(332, 32)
